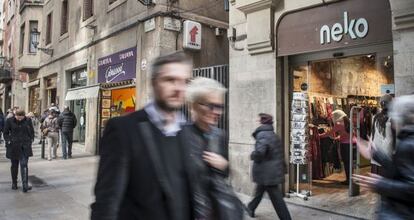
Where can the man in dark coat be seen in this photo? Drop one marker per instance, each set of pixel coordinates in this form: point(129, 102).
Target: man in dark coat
point(269, 167)
point(19, 135)
point(67, 122)
point(143, 170)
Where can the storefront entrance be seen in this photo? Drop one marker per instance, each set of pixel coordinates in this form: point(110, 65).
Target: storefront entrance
point(338, 84)
point(78, 107)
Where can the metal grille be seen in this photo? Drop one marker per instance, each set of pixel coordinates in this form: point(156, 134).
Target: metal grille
point(221, 74)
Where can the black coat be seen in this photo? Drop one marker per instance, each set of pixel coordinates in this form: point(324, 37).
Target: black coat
point(131, 181)
point(397, 188)
point(67, 121)
point(269, 163)
point(19, 136)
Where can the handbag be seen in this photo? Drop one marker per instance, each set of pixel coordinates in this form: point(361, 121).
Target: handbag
point(226, 204)
point(45, 131)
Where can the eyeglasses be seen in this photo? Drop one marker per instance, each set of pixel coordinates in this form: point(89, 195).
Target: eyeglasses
point(212, 106)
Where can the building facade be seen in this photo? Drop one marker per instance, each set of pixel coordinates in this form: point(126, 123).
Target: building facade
point(12, 77)
point(95, 54)
point(340, 53)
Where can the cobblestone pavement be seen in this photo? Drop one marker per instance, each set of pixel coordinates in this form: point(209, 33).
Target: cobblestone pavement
point(62, 190)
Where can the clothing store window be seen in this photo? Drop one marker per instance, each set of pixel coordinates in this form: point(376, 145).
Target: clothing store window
point(339, 84)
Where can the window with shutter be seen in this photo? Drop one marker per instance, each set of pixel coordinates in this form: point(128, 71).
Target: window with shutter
point(65, 18)
point(49, 29)
point(87, 9)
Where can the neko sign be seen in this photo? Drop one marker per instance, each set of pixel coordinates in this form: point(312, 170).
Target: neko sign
point(355, 28)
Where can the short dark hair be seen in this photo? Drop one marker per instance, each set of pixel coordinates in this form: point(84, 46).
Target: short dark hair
point(20, 112)
point(176, 57)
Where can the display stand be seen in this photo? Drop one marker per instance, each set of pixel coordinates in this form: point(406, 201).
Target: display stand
point(300, 140)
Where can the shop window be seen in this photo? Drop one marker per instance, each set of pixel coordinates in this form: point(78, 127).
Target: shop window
point(33, 25)
point(49, 28)
point(87, 9)
point(21, 46)
point(65, 18)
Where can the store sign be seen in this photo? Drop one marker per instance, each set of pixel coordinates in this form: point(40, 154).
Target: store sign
point(118, 67)
point(192, 35)
point(355, 28)
point(338, 25)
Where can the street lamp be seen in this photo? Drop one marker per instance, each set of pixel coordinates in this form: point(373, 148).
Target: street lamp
point(35, 35)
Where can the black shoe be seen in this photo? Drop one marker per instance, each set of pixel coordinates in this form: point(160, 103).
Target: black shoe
point(14, 186)
point(27, 188)
point(70, 156)
point(249, 211)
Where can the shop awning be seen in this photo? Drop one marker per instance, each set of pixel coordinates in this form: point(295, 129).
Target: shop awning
point(86, 92)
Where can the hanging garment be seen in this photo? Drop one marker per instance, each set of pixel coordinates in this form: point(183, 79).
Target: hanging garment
point(314, 144)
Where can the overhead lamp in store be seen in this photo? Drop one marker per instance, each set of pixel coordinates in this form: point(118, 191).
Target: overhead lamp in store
point(35, 35)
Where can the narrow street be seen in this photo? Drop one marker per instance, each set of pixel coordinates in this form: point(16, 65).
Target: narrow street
point(63, 190)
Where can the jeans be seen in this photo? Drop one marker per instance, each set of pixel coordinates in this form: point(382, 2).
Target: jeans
point(276, 196)
point(24, 160)
point(52, 141)
point(67, 141)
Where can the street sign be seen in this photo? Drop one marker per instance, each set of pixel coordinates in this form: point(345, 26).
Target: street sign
point(192, 35)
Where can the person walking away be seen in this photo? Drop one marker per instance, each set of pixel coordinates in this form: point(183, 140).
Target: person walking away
point(396, 187)
point(143, 168)
point(2, 121)
point(269, 168)
point(67, 122)
point(209, 151)
point(51, 129)
point(19, 135)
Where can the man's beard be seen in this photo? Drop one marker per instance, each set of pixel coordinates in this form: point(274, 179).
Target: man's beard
point(163, 105)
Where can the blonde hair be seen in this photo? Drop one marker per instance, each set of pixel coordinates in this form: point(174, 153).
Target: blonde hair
point(200, 87)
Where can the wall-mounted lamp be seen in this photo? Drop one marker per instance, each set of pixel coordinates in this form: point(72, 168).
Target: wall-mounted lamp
point(35, 41)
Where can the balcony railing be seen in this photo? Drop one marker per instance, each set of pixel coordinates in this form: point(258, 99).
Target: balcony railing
point(5, 75)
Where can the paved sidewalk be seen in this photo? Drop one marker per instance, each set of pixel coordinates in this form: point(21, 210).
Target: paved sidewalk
point(63, 190)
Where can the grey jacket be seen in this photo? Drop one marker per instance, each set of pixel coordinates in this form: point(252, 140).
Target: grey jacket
point(397, 188)
point(269, 167)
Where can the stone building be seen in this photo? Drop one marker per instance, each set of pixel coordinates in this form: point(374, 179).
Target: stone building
point(95, 54)
point(334, 50)
point(15, 46)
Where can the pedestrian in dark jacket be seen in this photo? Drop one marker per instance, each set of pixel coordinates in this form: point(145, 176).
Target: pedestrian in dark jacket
point(67, 122)
point(269, 167)
point(144, 168)
point(396, 187)
point(209, 152)
point(19, 135)
point(2, 122)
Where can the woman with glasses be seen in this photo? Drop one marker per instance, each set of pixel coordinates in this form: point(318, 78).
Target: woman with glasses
point(208, 150)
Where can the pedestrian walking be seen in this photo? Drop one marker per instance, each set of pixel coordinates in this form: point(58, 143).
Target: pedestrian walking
point(67, 122)
point(143, 167)
point(269, 168)
point(396, 187)
point(19, 135)
point(208, 150)
point(2, 122)
point(35, 123)
point(43, 117)
point(51, 132)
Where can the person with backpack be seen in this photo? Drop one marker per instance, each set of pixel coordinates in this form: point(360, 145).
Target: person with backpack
point(67, 122)
point(51, 132)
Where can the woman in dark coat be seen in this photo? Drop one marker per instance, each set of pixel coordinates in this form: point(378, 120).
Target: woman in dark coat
point(19, 135)
point(209, 152)
point(268, 167)
point(396, 187)
point(2, 119)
